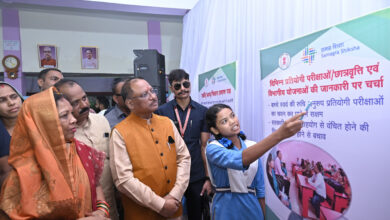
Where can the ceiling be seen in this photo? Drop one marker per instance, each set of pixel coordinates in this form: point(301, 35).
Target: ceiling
point(158, 7)
point(180, 4)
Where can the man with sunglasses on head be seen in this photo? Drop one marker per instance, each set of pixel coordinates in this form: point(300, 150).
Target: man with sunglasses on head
point(150, 162)
point(188, 117)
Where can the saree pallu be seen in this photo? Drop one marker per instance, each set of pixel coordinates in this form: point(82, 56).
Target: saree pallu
point(49, 179)
point(93, 163)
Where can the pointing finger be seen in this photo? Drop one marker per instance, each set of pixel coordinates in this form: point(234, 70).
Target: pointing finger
point(297, 116)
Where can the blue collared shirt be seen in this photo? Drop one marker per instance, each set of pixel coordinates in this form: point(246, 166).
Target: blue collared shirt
point(196, 125)
point(115, 116)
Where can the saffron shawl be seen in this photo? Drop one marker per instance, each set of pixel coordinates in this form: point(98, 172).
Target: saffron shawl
point(48, 180)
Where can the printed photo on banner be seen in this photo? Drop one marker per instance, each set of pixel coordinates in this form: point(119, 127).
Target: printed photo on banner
point(307, 180)
point(47, 55)
point(89, 57)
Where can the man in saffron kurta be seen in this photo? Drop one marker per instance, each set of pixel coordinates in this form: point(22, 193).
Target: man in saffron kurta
point(151, 163)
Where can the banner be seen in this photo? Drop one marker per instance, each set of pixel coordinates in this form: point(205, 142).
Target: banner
point(218, 86)
point(336, 165)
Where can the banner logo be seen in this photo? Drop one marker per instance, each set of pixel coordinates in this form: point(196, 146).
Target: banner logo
point(284, 61)
point(308, 55)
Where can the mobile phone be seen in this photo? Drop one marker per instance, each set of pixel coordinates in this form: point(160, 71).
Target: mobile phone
point(307, 108)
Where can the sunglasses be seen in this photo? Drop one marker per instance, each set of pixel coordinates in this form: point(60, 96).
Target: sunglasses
point(185, 84)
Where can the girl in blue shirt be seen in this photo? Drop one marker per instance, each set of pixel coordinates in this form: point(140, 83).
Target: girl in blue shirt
point(234, 165)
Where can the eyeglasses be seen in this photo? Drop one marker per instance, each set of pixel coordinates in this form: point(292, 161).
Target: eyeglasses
point(146, 94)
point(186, 84)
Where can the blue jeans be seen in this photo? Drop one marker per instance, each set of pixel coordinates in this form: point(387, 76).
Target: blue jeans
point(316, 202)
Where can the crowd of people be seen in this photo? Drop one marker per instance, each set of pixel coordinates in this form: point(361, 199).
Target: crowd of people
point(333, 175)
point(136, 161)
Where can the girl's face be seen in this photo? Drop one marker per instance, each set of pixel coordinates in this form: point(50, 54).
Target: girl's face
point(227, 123)
point(316, 170)
point(10, 102)
point(271, 164)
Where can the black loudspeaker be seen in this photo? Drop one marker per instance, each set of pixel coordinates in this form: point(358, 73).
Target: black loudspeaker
point(150, 65)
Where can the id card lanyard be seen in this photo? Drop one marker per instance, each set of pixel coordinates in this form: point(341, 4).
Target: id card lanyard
point(183, 129)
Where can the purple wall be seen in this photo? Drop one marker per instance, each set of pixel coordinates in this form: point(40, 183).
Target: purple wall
point(154, 35)
point(11, 31)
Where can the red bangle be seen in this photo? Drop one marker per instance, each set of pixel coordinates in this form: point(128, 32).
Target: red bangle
point(104, 210)
point(102, 202)
point(102, 206)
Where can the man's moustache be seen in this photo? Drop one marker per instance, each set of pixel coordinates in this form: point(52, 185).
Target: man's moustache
point(83, 110)
point(184, 92)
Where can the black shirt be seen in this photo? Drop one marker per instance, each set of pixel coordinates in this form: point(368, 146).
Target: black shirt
point(196, 124)
point(5, 139)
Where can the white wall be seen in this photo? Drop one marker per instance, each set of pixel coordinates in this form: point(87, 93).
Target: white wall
point(115, 34)
point(171, 40)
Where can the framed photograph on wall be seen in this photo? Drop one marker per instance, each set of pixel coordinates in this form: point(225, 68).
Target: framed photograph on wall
point(89, 58)
point(47, 56)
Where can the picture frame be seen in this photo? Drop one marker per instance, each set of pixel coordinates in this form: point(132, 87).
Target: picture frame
point(47, 56)
point(89, 57)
